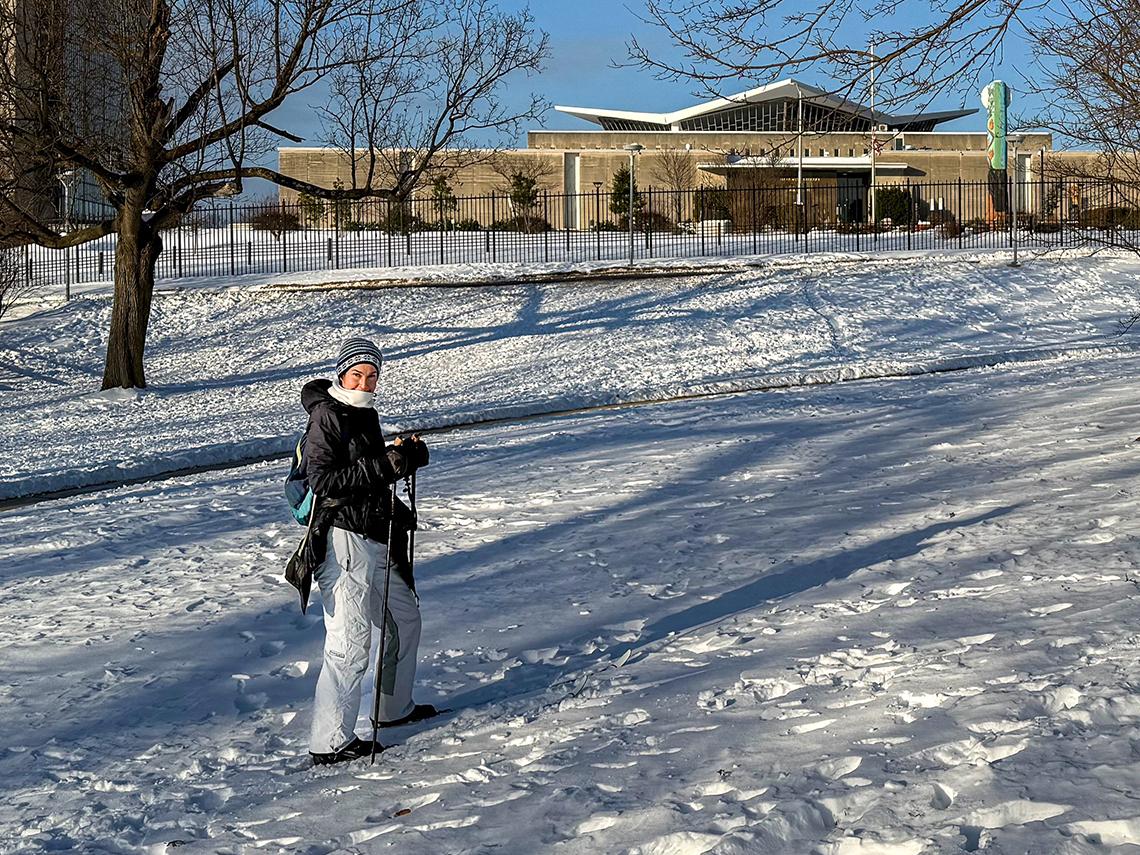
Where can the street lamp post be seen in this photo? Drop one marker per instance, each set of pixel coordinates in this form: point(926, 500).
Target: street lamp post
point(633, 149)
point(66, 180)
point(799, 158)
point(874, 151)
point(1014, 140)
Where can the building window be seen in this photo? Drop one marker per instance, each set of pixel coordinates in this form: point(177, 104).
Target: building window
point(777, 116)
point(629, 125)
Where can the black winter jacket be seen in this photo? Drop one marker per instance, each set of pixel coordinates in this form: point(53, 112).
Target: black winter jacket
point(351, 471)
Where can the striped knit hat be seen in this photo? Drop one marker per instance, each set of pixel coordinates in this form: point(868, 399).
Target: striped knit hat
point(354, 352)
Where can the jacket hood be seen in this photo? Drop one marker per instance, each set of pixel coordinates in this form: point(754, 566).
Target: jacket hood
point(316, 392)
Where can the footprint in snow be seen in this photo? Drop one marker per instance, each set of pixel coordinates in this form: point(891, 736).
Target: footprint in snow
point(544, 656)
point(1041, 611)
point(598, 822)
point(1109, 832)
point(293, 669)
point(1097, 538)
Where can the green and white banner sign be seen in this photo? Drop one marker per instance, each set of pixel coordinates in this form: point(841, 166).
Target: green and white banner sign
point(995, 98)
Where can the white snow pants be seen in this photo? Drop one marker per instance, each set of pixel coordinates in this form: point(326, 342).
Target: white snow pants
point(352, 593)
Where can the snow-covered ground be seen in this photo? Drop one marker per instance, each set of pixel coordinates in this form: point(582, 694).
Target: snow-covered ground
point(225, 366)
point(892, 618)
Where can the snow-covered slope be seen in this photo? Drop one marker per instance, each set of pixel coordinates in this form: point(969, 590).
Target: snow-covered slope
point(225, 366)
point(882, 618)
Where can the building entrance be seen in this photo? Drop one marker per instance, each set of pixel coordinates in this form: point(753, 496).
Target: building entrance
point(850, 198)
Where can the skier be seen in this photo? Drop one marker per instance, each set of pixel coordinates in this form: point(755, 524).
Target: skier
point(351, 472)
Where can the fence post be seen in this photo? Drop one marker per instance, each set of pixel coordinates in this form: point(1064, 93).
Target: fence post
point(1061, 195)
point(909, 214)
point(546, 230)
point(805, 215)
point(700, 214)
point(598, 222)
point(442, 230)
point(1110, 222)
point(284, 243)
point(388, 226)
point(178, 249)
point(336, 233)
point(494, 218)
point(648, 222)
point(755, 225)
point(1008, 207)
point(233, 261)
point(406, 223)
point(961, 214)
point(566, 219)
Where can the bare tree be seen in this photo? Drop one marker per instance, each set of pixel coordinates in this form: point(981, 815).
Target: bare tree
point(1088, 67)
point(674, 169)
point(165, 103)
point(541, 171)
point(426, 83)
point(724, 41)
point(15, 284)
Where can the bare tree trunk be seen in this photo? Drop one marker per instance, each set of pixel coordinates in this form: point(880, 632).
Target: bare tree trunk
point(135, 258)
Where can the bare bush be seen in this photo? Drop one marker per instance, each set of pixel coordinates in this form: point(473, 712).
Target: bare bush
point(15, 285)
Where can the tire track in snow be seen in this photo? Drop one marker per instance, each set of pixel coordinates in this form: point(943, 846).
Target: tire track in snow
point(869, 372)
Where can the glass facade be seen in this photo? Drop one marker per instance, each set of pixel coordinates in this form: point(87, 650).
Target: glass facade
point(628, 125)
point(780, 116)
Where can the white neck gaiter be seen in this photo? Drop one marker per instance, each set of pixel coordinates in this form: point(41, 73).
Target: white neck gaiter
point(351, 397)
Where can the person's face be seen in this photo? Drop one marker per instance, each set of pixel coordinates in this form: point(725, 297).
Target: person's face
point(360, 378)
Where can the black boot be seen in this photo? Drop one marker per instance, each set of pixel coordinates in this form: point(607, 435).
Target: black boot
point(353, 751)
point(419, 713)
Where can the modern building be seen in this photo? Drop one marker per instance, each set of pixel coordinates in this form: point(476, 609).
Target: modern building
point(783, 134)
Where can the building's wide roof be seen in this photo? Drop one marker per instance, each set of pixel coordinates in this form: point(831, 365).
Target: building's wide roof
point(782, 89)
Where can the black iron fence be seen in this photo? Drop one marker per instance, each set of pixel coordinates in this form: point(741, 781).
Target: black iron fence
point(228, 241)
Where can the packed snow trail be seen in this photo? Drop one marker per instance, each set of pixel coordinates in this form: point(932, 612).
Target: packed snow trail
point(225, 367)
point(893, 618)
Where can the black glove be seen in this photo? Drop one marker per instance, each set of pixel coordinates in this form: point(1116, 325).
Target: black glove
point(381, 470)
point(415, 452)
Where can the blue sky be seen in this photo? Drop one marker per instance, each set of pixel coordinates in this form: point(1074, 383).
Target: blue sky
point(587, 37)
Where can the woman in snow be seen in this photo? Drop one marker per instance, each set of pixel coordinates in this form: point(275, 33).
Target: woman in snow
point(351, 471)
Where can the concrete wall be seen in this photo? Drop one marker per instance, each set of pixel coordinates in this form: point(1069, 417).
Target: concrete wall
point(574, 162)
point(747, 142)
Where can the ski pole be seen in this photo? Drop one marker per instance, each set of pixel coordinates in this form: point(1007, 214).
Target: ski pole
point(383, 625)
point(415, 523)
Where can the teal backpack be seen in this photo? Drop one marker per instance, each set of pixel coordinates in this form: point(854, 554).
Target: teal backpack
point(298, 493)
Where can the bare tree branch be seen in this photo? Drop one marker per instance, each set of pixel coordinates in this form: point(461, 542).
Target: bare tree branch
point(163, 103)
